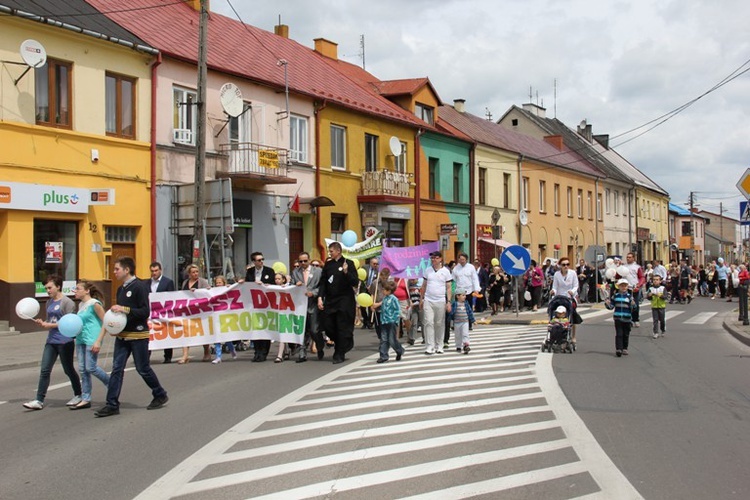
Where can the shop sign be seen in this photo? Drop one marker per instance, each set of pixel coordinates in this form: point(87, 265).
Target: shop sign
point(268, 158)
point(451, 229)
point(243, 213)
point(369, 218)
point(102, 197)
point(68, 288)
point(40, 197)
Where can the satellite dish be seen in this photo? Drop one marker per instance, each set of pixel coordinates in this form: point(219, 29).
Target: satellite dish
point(33, 53)
point(523, 218)
point(231, 100)
point(395, 145)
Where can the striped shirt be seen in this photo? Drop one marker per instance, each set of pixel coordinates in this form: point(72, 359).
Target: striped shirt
point(622, 303)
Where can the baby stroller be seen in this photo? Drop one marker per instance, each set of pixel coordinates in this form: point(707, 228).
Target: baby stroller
point(559, 334)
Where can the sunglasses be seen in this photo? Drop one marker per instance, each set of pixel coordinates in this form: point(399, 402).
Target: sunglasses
point(566, 264)
point(303, 261)
point(316, 265)
point(259, 260)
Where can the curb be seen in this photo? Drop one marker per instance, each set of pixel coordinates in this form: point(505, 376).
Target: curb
point(734, 328)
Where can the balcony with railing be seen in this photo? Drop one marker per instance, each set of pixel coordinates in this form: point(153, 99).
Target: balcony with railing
point(255, 164)
point(384, 186)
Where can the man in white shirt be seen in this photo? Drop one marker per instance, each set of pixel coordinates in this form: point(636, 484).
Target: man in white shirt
point(435, 301)
point(465, 275)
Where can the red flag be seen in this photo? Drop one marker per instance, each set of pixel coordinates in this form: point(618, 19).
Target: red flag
point(294, 207)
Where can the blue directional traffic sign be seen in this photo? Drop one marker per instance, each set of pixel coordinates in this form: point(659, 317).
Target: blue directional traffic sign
point(515, 260)
point(744, 213)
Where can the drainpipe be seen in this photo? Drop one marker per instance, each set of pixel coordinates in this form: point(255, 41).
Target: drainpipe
point(156, 63)
point(632, 200)
point(472, 215)
point(417, 190)
point(519, 163)
point(321, 246)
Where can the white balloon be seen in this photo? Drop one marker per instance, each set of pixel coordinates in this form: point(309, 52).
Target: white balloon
point(527, 295)
point(623, 271)
point(114, 322)
point(609, 263)
point(27, 308)
point(610, 273)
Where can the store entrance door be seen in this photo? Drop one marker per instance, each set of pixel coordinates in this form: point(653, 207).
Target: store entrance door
point(120, 250)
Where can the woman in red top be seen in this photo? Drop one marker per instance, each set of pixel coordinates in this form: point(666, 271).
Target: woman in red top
point(535, 280)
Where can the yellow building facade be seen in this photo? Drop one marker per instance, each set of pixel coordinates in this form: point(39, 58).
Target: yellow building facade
point(76, 163)
point(652, 225)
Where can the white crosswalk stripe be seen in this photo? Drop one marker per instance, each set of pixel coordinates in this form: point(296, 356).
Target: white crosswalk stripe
point(686, 317)
point(443, 426)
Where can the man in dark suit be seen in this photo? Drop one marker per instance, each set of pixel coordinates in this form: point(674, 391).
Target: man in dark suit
point(160, 283)
point(258, 273)
point(309, 277)
point(336, 300)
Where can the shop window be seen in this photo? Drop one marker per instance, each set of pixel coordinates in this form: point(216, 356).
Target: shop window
point(120, 106)
point(338, 226)
point(55, 252)
point(394, 232)
point(53, 94)
point(120, 234)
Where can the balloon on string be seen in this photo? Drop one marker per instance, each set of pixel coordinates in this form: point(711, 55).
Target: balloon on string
point(623, 271)
point(114, 322)
point(364, 299)
point(495, 262)
point(349, 238)
point(357, 263)
point(70, 325)
point(279, 267)
point(27, 308)
point(610, 273)
point(609, 263)
point(362, 274)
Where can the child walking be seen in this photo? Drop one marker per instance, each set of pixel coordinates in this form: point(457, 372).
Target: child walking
point(390, 314)
point(462, 317)
point(622, 302)
point(658, 305)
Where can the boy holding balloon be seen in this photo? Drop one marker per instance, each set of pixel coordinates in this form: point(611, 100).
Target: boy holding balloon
point(60, 342)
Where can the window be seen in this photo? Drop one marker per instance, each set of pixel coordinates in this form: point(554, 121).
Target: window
point(53, 93)
point(579, 203)
point(542, 196)
point(625, 210)
point(525, 193)
point(686, 228)
point(616, 202)
point(457, 167)
point(482, 195)
point(556, 200)
point(371, 152)
point(55, 252)
point(240, 127)
point(506, 190)
point(120, 234)
point(338, 147)
point(599, 206)
point(590, 204)
point(433, 177)
point(570, 201)
point(399, 162)
point(120, 105)
point(184, 121)
point(338, 226)
point(425, 113)
point(298, 139)
point(607, 199)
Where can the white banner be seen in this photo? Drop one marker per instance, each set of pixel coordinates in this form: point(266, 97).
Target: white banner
point(244, 311)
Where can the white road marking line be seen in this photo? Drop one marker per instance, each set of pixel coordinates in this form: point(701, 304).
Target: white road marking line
point(67, 384)
point(593, 458)
point(700, 318)
point(328, 488)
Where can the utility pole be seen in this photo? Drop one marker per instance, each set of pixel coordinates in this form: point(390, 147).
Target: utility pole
point(200, 131)
point(692, 229)
point(721, 230)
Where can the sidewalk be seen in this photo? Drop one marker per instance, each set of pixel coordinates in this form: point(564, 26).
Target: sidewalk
point(24, 350)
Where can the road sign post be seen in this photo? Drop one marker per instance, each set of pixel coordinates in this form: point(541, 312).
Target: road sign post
point(515, 260)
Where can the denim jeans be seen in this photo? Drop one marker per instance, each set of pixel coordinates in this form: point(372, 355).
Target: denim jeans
point(139, 350)
point(388, 339)
point(49, 356)
point(88, 367)
point(218, 350)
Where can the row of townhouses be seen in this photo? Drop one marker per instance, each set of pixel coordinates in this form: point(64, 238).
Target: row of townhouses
point(100, 136)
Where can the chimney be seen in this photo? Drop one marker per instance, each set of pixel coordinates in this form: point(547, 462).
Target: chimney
point(584, 130)
point(196, 4)
point(535, 109)
point(281, 30)
point(459, 105)
point(555, 140)
point(602, 139)
point(326, 48)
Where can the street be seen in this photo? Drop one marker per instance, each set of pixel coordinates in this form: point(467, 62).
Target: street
point(667, 421)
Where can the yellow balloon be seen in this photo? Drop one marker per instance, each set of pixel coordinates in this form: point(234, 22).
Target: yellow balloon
point(495, 262)
point(357, 263)
point(279, 267)
point(364, 299)
point(362, 274)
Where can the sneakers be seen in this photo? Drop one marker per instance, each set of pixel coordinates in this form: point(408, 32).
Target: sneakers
point(398, 356)
point(624, 352)
point(618, 353)
point(382, 360)
point(439, 351)
point(157, 403)
point(466, 348)
point(458, 349)
point(34, 405)
point(654, 336)
point(216, 361)
point(74, 401)
point(429, 352)
point(106, 411)
point(445, 345)
point(636, 324)
point(234, 355)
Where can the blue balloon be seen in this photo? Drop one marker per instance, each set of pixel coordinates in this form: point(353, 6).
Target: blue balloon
point(349, 238)
point(70, 325)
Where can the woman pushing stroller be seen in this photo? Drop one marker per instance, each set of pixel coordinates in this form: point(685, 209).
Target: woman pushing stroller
point(565, 284)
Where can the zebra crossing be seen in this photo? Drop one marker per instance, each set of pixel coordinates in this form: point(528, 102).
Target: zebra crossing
point(685, 317)
point(443, 426)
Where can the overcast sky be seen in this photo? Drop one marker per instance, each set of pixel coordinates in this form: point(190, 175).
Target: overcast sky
point(618, 64)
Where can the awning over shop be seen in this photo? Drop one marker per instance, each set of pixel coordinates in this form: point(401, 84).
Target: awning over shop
point(498, 242)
